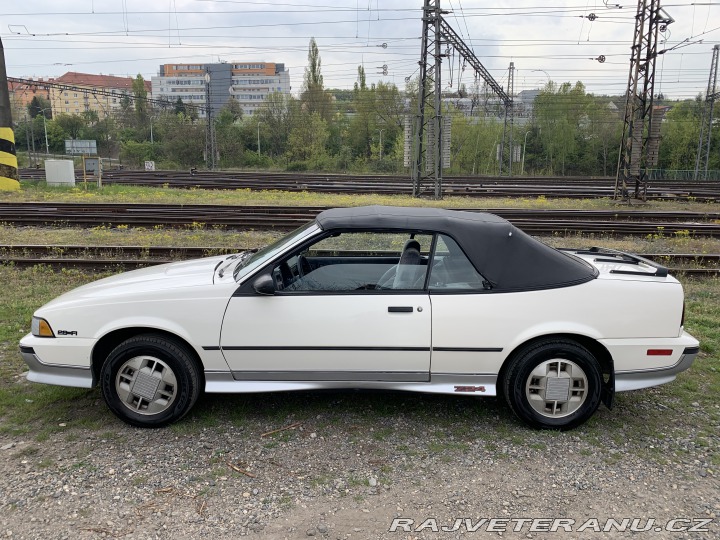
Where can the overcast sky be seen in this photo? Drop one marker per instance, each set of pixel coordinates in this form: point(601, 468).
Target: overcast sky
point(546, 39)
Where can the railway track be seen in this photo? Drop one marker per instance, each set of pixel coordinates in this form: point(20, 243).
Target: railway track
point(169, 253)
point(131, 257)
point(473, 186)
point(607, 222)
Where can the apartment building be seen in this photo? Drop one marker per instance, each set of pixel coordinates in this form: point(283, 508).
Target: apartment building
point(21, 94)
point(248, 82)
point(86, 97)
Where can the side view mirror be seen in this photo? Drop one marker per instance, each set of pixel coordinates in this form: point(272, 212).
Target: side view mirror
point(264, 285)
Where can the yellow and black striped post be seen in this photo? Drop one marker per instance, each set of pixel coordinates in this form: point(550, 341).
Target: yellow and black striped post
point(8, 161)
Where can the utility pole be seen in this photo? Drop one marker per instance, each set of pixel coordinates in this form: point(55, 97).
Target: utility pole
point(640, 140)
point(32, 141)
point(210, 127)
point(426, 155)
point(509, 120)
point(8, 158)
point(47, 145)
point(427, 160)
point(27, 135)
point(703, 152)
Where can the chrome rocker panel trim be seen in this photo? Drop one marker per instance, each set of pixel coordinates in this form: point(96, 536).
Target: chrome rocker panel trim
point(79, 377)
point(478, 384)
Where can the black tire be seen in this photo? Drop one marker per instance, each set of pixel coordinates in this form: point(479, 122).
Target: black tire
point(560, 360)
point(150, 381)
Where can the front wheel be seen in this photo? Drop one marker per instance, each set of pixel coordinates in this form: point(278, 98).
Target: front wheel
point(553, 384)
point(150, 381)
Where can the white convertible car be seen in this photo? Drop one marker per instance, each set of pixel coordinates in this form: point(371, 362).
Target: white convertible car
point(415, 299)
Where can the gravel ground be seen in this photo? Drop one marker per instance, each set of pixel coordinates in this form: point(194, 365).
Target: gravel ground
point(349, 463)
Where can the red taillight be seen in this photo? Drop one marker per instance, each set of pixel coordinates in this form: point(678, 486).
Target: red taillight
point(659, 352)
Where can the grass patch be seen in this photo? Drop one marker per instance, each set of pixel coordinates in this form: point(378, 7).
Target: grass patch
point(442, 445)
point(38, 191)
point(23, 291)
point(27, 452)
point(632, 244)
point(380, 434)
point(357, 481)
point(139, 480)
point(135, 236)
point(40, 409)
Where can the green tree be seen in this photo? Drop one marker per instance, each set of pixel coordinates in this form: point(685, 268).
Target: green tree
point(314, 97)
point(276, 119)
point(604, 135)
point(362, 124)
point(39, 105)
point(182, 140)
point(135, 154)
point(72, 124)
point(307, 140)
point(377, 122)
point(141, 104)
point(90, 117)
point(126, 115)
point(104, 132)
point(680, 135)
point(56, 136)
point(390, 105)
point(390, 111)
point(180, 106)
point(229, 137)
point(560, 113)
point(233, 108)
point(473, 144)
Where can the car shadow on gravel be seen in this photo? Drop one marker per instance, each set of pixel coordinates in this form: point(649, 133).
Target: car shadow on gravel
point(335, 406)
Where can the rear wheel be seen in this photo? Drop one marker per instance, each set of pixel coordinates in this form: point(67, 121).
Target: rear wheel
point(553, 384)
point(150, 381)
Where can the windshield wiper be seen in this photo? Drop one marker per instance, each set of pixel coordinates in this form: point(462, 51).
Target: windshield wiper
point(243, 256)
point(246, 254)
point(227, 261)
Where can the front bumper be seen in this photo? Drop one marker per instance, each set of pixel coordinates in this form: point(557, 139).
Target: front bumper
point(634, 380)
point(62, 375)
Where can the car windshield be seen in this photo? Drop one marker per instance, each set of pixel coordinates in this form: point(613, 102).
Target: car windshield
point(247, 265)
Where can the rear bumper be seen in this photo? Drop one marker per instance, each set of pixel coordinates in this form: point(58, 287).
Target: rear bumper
point(636, 379)
point(61, 375)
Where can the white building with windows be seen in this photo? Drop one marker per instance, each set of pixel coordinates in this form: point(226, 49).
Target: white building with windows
point(212, 85)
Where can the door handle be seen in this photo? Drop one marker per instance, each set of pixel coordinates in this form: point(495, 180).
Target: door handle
point(400, 309)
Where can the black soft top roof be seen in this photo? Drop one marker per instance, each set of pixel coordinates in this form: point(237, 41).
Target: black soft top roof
point(507, 257)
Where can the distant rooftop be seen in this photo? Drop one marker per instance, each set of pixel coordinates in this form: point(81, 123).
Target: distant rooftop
point(99, 81)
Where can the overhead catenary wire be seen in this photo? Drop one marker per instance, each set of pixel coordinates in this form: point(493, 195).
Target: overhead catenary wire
point(141, 18)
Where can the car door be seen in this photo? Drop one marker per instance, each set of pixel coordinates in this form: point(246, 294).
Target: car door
point(350, 307)
point(470, 326)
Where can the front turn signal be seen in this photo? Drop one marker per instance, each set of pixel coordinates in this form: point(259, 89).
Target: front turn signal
point(41, 328)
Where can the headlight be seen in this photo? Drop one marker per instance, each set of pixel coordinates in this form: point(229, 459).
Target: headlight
point(41, 328)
